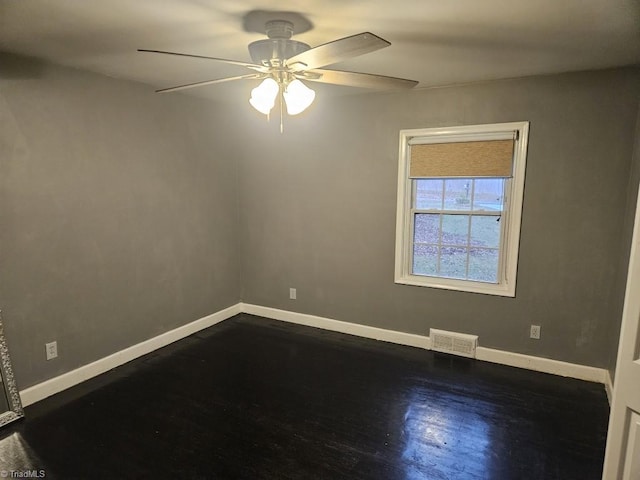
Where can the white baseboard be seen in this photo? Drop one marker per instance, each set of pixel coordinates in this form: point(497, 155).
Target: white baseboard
point(538, 364)
point(608, 386)
point(339, 326)
point(55, 385)
point(67, 380)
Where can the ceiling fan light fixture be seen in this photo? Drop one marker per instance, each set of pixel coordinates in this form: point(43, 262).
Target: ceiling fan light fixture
point(263, 97)
point(298, 97)
point(279, 61)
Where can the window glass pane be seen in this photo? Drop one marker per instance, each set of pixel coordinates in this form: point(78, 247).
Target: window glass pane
point(483, 265)
point(425, 259)
point(428, 194)
point(426, 228)
point(485, 231)
point(488, 194)
point(457, 194)
point(455, 229)
point(453, 262)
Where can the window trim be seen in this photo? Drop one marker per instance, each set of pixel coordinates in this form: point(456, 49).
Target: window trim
point(514, 193)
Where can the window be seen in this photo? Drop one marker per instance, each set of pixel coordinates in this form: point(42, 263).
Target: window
point(459, 205)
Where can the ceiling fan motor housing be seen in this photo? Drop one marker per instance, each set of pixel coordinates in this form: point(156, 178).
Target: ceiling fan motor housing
point(278, 47)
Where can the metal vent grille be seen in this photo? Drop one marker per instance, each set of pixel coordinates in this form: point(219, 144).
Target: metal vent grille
point(452, 342)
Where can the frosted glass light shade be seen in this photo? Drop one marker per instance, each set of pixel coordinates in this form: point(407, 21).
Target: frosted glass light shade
point(263, 97)
point(298, 97)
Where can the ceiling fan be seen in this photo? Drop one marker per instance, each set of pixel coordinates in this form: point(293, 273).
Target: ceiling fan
point(282, 64)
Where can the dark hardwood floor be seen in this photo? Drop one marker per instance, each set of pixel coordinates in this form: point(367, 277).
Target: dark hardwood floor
point(253, 398)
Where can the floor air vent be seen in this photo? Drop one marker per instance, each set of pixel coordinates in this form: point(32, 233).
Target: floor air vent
point(452, 342)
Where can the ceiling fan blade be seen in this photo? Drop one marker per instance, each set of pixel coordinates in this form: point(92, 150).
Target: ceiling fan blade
point(355, 79)
point(337, 51)
point(252, 66)
point(210, 82)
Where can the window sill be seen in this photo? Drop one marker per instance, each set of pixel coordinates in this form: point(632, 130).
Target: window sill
point(502, 290)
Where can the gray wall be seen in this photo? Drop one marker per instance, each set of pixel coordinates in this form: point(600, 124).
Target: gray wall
point(125, 214)
point(118, 210)
point(318, 212)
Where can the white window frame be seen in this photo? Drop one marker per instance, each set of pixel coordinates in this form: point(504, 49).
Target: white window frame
point(514, 191)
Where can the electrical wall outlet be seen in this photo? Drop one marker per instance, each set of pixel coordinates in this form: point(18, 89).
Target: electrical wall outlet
point(535, 332)
point(52, 350)
point(292, 293)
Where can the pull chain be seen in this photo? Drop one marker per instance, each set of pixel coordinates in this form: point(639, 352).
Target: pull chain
point(281, 113)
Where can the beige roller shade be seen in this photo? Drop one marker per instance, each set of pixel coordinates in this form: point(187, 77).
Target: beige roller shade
point(492, 158)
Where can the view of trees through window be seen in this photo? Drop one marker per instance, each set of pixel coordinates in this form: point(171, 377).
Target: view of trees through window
point(457, 228)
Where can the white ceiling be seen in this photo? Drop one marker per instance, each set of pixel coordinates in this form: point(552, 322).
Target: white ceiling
point(437, 42)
